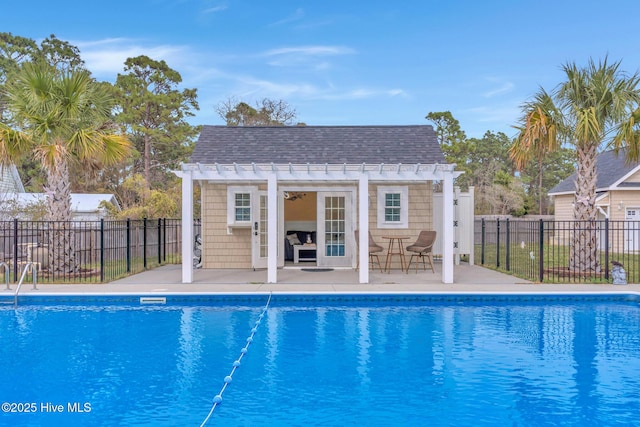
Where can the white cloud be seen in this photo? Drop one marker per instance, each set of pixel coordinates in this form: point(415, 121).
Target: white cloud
point(505, 88)
point(310, 51)
point(296, 16)
point(496, 113)
point(106, 57)
point(220, 75)
point(361, 93)
point(305, 56)
point(396, 92)
point(214, 10)
point(264, 88)
point(251, 87)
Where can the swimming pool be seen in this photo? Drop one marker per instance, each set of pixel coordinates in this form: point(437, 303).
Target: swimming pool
point(330, 360)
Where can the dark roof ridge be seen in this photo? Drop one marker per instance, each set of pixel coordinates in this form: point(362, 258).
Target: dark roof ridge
point(316, 126)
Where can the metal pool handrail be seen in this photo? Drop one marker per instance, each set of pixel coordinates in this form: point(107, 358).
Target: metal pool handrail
point(6, 274)
point(34, 272)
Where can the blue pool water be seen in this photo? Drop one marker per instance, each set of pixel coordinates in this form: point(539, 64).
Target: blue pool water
point(324, 361)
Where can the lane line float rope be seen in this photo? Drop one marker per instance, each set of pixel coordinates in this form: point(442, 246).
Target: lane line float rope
point(217, 399)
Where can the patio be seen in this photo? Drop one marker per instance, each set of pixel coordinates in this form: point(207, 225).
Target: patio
point(469, 279)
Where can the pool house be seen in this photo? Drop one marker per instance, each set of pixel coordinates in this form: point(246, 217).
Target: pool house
point(297, 197)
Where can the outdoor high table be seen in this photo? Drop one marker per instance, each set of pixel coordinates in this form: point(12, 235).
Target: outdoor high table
point(396, 247)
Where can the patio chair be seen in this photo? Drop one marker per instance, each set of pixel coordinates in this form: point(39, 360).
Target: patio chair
point(422, 249)
point(374, 249)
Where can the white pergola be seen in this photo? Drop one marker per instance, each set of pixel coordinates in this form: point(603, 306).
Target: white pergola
point(275, 174)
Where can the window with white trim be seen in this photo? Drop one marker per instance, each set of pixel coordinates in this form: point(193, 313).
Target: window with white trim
point(239, 206)
point(393, 207)
point(242, 207)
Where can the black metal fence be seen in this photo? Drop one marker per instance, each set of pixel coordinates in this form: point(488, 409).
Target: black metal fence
point(100, 251)
point(540, 251)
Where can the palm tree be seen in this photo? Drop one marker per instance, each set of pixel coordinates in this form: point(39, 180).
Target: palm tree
point(596, 107)
point(537, 137)
point(59, 117)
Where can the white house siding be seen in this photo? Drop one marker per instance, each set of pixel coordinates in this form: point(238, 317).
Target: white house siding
point(563, 205)
point(634, 178)
point(219, 248)
point(616, 204)
point(622, 200)
point(420, 217)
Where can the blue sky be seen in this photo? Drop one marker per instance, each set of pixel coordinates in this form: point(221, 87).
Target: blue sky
point(348, 62)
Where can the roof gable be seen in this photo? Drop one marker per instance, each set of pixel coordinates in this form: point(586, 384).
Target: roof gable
point(318, 145)
point(611, 168)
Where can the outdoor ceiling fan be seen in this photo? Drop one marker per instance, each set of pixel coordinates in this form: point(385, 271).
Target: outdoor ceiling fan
point(293, 195)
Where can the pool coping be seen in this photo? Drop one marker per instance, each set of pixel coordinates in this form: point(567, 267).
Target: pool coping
point(169, 299)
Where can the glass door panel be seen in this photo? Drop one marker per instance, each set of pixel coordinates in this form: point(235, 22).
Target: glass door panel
point(333, 242)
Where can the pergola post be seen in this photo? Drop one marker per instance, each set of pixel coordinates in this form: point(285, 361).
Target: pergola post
point(272, 226)
point(363, 227)
point(448, 230)
point(187, 226)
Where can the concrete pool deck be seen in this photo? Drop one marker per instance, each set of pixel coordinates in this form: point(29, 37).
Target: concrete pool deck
point(467, 279)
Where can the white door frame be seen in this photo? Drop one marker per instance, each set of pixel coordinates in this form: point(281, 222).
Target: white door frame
point(351, 218)
point(345, 260)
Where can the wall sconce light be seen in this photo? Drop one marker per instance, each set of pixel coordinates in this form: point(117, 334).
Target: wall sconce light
point(620, 205)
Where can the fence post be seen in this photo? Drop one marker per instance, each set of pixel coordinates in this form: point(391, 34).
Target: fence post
point(160, 241)
point(498, 243)
point(482, 243)
point(507, 249)
point(128, 243)
point(101, 249)
point(606, 249)
point(15, 249)
point(541, 252)
point(144, 243)
point(164, 240)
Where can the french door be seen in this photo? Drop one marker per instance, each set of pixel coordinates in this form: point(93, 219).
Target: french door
point(334, 229)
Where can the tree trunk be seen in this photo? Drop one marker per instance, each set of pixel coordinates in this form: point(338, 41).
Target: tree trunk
point(540, 196)
point(62, 255)
point(584, 248)
point(147, 160)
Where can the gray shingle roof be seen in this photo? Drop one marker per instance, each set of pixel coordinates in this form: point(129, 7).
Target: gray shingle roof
point(318, 144)
point(610, 168)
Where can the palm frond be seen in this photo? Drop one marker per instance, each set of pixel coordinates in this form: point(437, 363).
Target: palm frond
point(13, 144)
point(538, 133)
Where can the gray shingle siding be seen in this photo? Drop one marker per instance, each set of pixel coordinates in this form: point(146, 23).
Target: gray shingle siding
point(318, 144)
point(610, 168)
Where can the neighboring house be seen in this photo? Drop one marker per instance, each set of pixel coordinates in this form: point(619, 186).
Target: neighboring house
point(10, 185)
point(10, 181)
point(84, 207)
point(617, 199)
point(617, 190)
point(260, 184)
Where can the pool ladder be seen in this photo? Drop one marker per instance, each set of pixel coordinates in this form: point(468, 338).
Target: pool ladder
point(30, 266)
